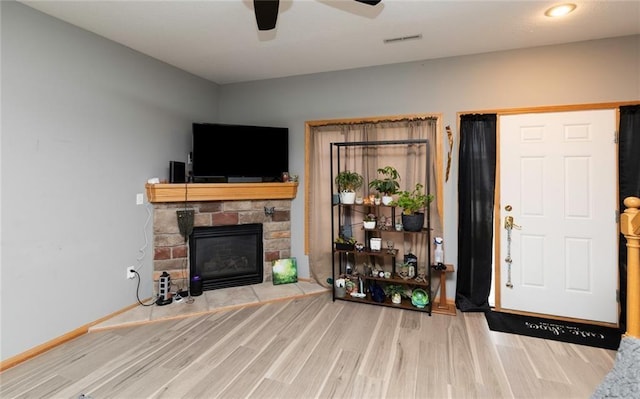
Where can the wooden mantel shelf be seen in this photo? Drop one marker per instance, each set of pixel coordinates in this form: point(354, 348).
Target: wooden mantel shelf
point(163, 192)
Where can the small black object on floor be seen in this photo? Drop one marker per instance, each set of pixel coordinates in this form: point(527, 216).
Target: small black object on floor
point(557, 330)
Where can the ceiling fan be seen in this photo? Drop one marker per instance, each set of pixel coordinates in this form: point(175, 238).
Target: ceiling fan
point(267, 12)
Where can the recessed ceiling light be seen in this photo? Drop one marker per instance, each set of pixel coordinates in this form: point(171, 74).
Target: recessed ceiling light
point(560, 10)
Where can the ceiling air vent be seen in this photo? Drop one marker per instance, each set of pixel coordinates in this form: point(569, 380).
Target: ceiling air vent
point(402, 39)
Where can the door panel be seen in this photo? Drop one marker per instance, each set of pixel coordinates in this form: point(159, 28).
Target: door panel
point(558, 173)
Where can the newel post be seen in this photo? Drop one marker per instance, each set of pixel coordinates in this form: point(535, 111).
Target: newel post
point(630, 228)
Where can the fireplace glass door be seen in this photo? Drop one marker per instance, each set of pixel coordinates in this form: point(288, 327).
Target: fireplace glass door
point(227, 256)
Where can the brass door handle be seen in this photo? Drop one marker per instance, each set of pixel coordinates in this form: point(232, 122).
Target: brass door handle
point(509, 224)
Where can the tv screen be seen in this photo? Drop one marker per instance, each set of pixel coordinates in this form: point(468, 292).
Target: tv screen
point(239, 153)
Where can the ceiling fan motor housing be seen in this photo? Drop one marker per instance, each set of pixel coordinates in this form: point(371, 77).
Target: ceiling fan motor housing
point(267, 12)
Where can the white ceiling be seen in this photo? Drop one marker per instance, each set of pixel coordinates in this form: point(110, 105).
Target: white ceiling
point(219, 41)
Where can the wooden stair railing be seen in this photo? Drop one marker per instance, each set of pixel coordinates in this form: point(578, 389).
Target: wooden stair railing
point(630, 228)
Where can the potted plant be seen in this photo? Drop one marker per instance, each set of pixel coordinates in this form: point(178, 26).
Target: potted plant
point(351, 286)
point(369, 221)
point(396, 292)
point(348, 182)
point(341, 288)
point(412, 202)
point(345, 243)
point(387, 185)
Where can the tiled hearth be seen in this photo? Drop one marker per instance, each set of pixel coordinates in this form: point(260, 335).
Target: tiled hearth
point(216, 205)
point(213, 301)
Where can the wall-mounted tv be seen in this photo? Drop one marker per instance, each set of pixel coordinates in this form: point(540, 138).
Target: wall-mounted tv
point(239, 153)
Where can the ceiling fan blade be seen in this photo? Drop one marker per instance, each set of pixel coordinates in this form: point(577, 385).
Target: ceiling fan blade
point(266, 13)
point(369, 2)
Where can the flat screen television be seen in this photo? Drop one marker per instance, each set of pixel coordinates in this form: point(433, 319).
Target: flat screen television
point(239, 153)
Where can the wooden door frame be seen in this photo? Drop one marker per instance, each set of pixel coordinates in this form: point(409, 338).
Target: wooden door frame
point(308, 125)
point(496, 206)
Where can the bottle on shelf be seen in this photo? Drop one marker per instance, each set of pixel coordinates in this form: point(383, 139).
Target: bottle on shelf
point(438, 254)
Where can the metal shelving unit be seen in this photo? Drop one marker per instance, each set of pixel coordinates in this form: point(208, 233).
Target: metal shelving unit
point(342, 259)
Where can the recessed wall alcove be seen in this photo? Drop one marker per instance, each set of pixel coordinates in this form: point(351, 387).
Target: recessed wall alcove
point(218, 204)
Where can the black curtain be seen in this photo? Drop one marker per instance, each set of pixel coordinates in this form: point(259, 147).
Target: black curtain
point(629, 186)
point(476, 188)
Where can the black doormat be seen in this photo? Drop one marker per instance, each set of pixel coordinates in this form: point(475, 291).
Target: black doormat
point(557, 330)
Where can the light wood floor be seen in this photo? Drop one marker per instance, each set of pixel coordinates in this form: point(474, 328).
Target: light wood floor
point(311, 347)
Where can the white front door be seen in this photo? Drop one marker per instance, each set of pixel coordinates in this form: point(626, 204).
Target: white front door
point(558, 177)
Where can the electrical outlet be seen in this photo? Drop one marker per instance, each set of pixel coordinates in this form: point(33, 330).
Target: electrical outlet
point(131, 272)
point(139, 199)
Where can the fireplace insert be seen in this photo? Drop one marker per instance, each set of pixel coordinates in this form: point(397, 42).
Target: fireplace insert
point(226, 256)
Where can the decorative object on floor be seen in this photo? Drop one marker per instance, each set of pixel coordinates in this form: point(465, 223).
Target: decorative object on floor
point(284, 271)
point(623, 381)
point(419, 298)
point(557, 330)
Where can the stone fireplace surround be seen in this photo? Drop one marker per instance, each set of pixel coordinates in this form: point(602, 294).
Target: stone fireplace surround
point(236, 205)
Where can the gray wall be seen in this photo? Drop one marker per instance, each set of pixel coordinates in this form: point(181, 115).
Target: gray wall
point(585, 72)
point(85, 123)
